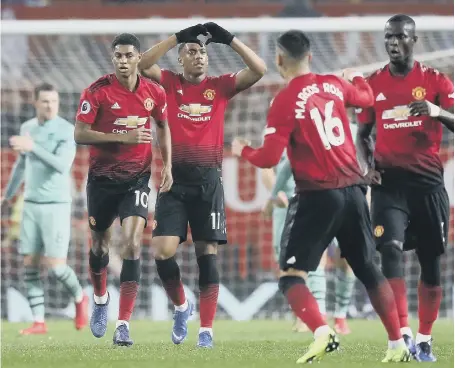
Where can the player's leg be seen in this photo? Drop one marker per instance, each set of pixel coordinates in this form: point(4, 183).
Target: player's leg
point(432, 221)
point(357, 245)
point(209, 285)
point(278, 219)
point(390, 218)
point(307, 233)
point(171, 229)
point(133, 213)
point(344, 286)
point(102, 211)
point(207, 220)
point(30, 246)
point(55, 224)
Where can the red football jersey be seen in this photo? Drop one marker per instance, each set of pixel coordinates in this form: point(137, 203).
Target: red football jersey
point(408, 144)
point(310, 116)
point(196, 121)
point(112, 108)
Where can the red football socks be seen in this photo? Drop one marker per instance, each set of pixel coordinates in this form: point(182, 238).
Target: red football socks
point(208, 301)
point(383, 302)
point(398, 286)
point(305, 306)
point(128, 293)
point(429, 301)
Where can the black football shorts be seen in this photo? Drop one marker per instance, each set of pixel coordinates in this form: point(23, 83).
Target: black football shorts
point(200, 206)
point(315, 218)
point(107, 199)
point(418, 219)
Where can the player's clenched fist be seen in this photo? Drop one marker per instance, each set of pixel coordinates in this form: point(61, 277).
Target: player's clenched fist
point(140, 135)
point(190, 33)
point(166, 179)
point(219, 34)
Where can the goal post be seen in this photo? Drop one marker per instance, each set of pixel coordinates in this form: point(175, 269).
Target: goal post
point(71, 54)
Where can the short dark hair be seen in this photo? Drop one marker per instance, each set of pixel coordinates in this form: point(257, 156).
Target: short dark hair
point(182, 45)
point(402, 18)
point(295, 43)
point(46, 87)
point(126, 39)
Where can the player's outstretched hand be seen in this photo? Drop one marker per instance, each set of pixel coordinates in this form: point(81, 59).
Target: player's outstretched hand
point(419, 108)
point(166, 179)
point(135, 136)
point(191, 33)
point(238, 144)
point(219, 34)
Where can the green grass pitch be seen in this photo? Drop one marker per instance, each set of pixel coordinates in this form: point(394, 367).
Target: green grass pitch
point(261, 344)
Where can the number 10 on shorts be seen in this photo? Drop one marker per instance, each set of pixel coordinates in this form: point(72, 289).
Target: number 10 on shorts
point(142, 198)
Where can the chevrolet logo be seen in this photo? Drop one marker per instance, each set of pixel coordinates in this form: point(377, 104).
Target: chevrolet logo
point(196, 109)
point(397, 113)
point(131, 121)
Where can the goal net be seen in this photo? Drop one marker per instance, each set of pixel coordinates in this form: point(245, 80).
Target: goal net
point(72, 54)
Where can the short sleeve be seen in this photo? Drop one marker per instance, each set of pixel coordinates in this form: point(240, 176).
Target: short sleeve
point(159, 113)
point(88, 107)
point(167, 78)
point(445, 91)
point(280, 119)
point(226, 85)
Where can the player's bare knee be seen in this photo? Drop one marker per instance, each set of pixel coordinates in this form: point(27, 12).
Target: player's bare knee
point(52, 262)
point(32, 260)
point(203, 248)
point(164, 247)
point(131, 250)
point(295, 273)
point(392, 259)
point(100, 243)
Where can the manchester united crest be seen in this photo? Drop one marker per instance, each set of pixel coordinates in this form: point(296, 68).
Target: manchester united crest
point(209, 94)
point(92, 221)
point(148, 104)
point(419, 93)
point(378, 231)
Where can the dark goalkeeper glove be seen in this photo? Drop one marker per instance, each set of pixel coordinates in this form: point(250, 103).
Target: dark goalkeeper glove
point(191, 33)
point(219, 34)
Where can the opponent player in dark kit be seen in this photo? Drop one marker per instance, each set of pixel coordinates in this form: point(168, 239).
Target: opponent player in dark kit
point(410, 208)
point(197, 104)
point(308, 117)
point(114, 117)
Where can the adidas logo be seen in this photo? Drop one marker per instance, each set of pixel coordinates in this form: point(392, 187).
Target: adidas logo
point(380, 97)
point(180, 91)
point(291, 260)
point(115, 106)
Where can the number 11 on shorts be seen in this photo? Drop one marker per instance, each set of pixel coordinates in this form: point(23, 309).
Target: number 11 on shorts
point(216, 220)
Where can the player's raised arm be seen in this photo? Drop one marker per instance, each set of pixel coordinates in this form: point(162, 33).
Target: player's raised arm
point(357, 91)
point(148, 64)
point(256, 67)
